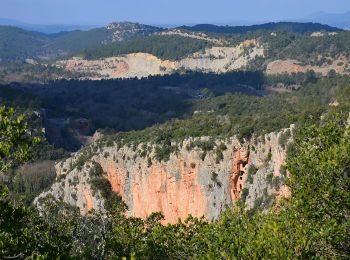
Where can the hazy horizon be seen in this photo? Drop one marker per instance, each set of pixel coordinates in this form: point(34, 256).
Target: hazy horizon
point(157, 12)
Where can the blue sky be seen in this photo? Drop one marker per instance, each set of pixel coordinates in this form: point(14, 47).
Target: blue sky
point(99, 12)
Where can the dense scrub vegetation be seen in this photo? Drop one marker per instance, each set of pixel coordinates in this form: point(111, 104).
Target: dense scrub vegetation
point(18, 43)
point(312, 223)
point(22, 71)
point(30, 105)
point(310, 50)
point(288, 41)
point(202, 100)
point(242, 115)
point(123, 105)
point(27, 181)
point(169, 47)
point(76, 41)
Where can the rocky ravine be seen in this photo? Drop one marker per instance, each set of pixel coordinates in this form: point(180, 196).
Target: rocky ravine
point(186, 184)
point(215, 59)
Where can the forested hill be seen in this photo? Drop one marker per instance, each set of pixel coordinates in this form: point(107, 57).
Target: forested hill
point(16, 43)
point(281, 26)
point(172, 47)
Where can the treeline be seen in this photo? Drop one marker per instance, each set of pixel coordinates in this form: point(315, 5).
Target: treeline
point(169, 47)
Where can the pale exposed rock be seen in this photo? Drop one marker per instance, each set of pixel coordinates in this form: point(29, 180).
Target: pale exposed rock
point(31, 61)
point(332, 33)
point(73, 187)
point(194, 35)
point(223, 59)
point(293, 66)
point(317, 34)
point(128, 66)
point(215, 59)
point(335, 103)
point(321, 34)
point(267, 146)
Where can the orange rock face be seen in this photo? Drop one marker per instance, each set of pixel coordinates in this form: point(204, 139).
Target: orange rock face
point(239, 171)
point(158, 191)
point(115, 176)
point(89, 202)
point(186, 184)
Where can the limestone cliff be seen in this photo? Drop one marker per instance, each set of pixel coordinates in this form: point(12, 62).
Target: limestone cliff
point(188, 183)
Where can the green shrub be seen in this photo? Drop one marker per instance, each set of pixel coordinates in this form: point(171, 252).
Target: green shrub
point(276, 182)
point(96, 170)
point(252, 170)
point(269, 178)
point(244, 194)
point(284, 138)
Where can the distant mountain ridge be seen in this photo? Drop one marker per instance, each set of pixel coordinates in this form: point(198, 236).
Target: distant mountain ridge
point(45, 28)
point(279, 26)
point(16, 43)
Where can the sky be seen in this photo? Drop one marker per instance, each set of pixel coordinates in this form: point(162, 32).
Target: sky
point(99, 12)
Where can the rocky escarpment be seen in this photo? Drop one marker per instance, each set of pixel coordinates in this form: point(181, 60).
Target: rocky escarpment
point(190, 182)
point(215, 59)
point(128, 66)
point(121, 31)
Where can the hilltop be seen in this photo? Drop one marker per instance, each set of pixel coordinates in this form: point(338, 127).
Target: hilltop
point(18, 43)
point(127, 50)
